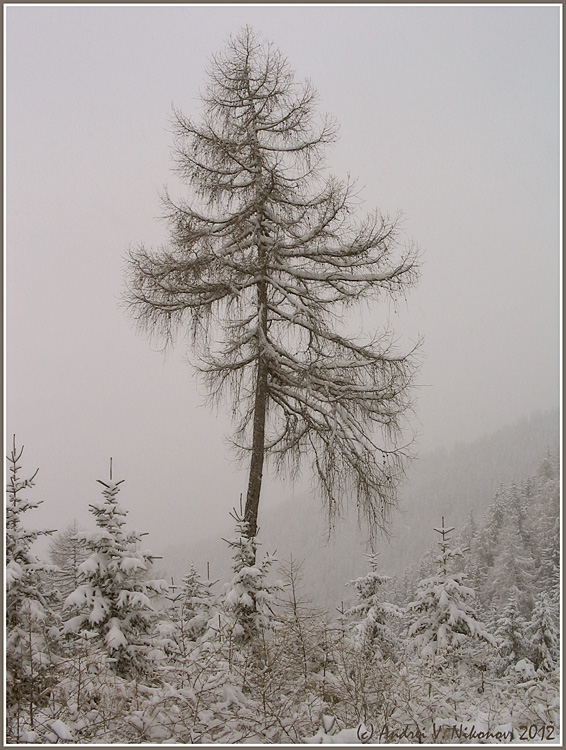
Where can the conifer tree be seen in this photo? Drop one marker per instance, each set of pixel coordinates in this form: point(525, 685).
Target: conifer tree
point(193, 609)
point(190, 618)
point(196, 603)
point(443, 612)
point(66, 552)
point(549, 567)
point(300, 633)
point(114, 595)
point(372, 631)
point(510, 635)
point(513, 571)
point(496, 515)
point(543, 635)
point(248, 597)
point(31, 626)
point(264, 260)
point(545, 526)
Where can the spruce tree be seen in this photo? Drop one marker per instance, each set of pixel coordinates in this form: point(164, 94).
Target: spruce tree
point(31, 626)
point(543, 635)
point(443, 612)
point(248, 597)
point(114, 595)
point(513, 572)
point(196, 604)
point(511, 635)
point(372, 631)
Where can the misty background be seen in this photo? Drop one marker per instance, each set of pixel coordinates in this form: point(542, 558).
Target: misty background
point(450, 114)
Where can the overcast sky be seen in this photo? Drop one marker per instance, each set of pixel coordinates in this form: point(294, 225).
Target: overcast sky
point(450, 114)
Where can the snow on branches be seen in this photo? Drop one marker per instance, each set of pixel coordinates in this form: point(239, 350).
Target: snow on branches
point(248, 597)
point(443, 611)
point(372, 632)
point(114, 595)
point(30, 622)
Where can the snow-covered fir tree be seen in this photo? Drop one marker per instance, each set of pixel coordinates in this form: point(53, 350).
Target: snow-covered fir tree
point(497, 514)
point(443, 612)
point(513, 572)
point(31, 626)
point(114, 595)
point(545, 525)
point(191, 616)
point(543, 635)
point(510, 635)
point(66, 552)
point(248, 597)
point(549, 560)
point(372, 631)
point(196, 604)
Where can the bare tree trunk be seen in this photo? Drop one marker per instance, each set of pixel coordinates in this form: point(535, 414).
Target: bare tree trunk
point(260, 413)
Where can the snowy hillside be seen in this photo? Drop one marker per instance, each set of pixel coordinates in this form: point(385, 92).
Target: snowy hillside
point(463, 648)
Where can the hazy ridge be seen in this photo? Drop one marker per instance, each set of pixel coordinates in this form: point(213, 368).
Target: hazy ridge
point(452, 483)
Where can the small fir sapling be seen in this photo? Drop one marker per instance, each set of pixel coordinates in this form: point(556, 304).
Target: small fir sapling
point(510, 634)
point(190, 616)
point(543, 635)
point(372, 632)
point(248, 597)
point(196, 604)
point(443, 613)
point(31, 626)
point(114, 597)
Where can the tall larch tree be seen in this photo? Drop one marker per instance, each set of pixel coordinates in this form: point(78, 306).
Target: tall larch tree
point(265, 260)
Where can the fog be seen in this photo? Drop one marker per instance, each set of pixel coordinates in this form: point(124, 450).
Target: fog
point(450, 114)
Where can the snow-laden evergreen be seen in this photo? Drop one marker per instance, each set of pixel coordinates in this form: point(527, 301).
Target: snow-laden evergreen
point(511, 635)
point(248, 597)
point(443, 614)
point(372, 631)
point(190, 618)
point(543, 634)
point(195, 603)
point(31, 626)
point(22, 566)
point(114, 595)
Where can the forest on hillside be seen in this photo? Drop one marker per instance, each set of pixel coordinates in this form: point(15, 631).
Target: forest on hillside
point(452, 482)
point(464, 648)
